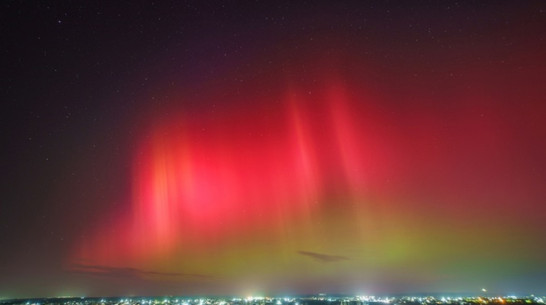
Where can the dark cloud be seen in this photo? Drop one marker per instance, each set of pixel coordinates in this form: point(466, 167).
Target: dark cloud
point(128, 272)
point(325, 258)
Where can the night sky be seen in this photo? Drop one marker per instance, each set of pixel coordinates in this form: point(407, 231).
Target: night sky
point(272, 147)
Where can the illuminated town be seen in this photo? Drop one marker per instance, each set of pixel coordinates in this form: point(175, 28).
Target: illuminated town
point(321, 299)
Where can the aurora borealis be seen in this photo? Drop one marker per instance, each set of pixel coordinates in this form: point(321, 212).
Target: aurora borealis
point(274, 148)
